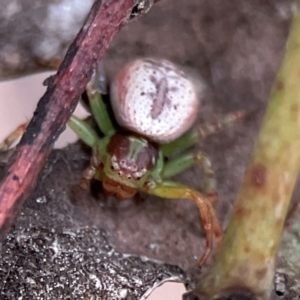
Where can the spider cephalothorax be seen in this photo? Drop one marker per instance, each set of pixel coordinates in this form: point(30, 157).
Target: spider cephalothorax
point(128, 163)
point(131, 157)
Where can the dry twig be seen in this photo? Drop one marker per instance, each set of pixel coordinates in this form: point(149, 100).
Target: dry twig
point(59, 101)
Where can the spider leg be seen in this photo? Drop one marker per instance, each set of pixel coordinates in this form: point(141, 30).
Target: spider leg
point(197, 134)
point(13, 136)
point(173, 190)
point(184, 161)
point(89, 173)
point(93, 171)
point(224, 122)
point(84, 131)
point(99, 107)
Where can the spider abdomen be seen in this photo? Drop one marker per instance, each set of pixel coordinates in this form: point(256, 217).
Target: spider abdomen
point(154, 98)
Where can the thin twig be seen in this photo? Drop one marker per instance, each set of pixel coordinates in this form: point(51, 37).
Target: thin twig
point(58, 103)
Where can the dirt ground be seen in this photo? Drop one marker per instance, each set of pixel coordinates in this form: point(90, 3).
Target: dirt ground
point(234, 47)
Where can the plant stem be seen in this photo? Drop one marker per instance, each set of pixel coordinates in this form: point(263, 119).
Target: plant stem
point(245, 262)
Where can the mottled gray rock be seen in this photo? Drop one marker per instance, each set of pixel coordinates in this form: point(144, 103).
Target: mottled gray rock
point(52, 252)
point(34, 34)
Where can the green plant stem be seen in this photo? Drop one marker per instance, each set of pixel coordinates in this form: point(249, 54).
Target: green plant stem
point(247, 256)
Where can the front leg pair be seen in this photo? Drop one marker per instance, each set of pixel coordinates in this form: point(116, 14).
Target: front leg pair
point(182, 162)
point(90, 137)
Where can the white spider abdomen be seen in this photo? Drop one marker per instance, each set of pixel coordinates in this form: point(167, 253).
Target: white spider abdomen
point(154, 98)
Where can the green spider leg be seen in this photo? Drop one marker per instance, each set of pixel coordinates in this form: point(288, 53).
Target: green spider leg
point(184, 161)
point(89, 136)
point(178, 164)
point(99, 108)
point(197, 134)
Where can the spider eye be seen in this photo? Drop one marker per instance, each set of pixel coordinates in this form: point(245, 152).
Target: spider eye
point(128, 177)
point(138, 178)
point(112, 167)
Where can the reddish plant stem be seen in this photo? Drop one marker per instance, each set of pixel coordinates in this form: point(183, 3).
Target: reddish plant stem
point(58, 103)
